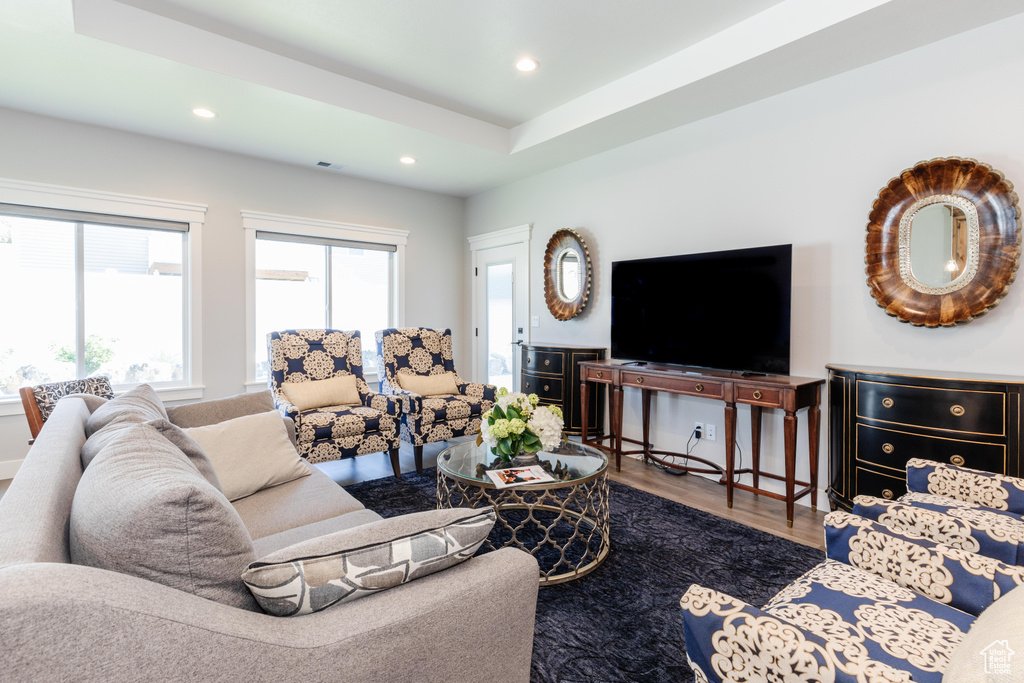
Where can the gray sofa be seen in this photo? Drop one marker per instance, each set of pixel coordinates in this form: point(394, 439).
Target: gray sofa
point(62, 621)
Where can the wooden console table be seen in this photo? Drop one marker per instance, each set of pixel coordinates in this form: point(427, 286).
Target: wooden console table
point(791, 394)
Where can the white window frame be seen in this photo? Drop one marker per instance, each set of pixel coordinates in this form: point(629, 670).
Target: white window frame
point(253, 221)
point(134, 206)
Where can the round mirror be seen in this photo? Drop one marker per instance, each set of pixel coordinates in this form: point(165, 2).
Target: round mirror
point(567, 274)
point(943, 242)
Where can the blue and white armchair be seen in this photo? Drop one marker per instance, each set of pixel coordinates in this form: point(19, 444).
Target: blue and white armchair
point(332, 432)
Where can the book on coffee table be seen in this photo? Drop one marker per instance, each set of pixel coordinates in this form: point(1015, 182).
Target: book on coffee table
point(517, 476)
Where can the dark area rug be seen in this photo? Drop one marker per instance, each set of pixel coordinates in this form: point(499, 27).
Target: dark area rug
point(623, 622)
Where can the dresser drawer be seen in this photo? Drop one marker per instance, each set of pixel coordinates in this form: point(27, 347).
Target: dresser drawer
point(891, 449)
point(879, 485)
point(678, 385)
point(955, 410)
point(549, 388)
point(771, 398)
point(546, 362)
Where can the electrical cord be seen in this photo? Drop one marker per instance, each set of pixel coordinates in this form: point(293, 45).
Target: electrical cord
point(686, 460)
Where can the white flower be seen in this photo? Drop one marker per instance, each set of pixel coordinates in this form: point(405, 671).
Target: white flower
point(485, 431)
point(547, 426)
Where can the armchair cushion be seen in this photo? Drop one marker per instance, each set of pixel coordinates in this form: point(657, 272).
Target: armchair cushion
point(335, 391)
point(344, 566)
point(250, 453)
point(988, 489)
point(954, 577)
point(429, 385)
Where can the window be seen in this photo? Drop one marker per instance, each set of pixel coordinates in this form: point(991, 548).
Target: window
point(90, 290)
point(314, 274)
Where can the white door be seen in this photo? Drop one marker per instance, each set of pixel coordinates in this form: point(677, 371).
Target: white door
point(500, 282)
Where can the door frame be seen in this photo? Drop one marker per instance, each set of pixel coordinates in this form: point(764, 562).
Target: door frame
point(509, 237)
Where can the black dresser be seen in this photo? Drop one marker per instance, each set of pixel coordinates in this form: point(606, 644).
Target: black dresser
point(881, 417)
point(553, 373)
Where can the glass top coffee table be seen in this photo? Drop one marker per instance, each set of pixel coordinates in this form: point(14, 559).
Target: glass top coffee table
point(563, 523)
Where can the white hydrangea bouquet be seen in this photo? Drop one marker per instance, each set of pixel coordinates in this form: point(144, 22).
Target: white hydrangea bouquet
point(516, 424)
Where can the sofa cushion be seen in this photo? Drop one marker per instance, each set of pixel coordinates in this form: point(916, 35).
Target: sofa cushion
point(997, 633)
point(140, 404)
point(336, 391)
point(349, 520)
point(142, 508)
point(347, 565)
point(294, 504)
point(250, 453)
point(217, 410)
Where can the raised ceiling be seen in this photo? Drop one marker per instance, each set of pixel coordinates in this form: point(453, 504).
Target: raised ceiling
point(360, 84)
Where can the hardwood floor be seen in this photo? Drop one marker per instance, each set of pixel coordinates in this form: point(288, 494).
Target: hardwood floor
point(759, 512)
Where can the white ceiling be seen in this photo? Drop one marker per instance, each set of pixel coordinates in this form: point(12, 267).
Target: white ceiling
point(359, 83)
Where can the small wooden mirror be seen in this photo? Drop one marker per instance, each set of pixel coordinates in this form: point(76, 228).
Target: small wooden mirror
point(567, 274)
point(943, 242)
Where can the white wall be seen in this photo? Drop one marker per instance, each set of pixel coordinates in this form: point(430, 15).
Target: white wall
point(804, 168)
point(47, 150)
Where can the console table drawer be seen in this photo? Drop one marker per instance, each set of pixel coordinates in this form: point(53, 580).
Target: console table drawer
point(546, 362)
point(549, 388)
point(891, 449)
point(678, 385)
point(771, 398)
point(968, 412)
point(602, 375)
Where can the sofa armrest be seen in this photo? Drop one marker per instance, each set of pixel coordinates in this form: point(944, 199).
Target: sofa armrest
point(959, 578)
point(988, 489)
point(957, 525)
point(110, 625)
point(727, 639)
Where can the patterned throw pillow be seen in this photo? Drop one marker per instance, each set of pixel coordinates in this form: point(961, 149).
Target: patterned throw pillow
point(347, 565)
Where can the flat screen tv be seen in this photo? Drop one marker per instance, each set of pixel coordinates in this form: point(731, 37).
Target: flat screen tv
point(726, 310)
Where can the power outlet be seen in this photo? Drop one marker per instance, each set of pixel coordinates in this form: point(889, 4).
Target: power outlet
point(709, 432)
point(698, 430)
point(534, 321)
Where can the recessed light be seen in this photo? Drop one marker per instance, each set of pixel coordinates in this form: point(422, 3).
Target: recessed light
point(203, 112)
point(408, 160)
point(526, 64)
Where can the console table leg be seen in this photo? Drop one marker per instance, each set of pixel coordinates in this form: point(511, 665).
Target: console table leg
point(755, 443)
point(646, 398)
point(617, 425)
point(813, 435)
point(790, 445)
point(730, 447)
point(584, 408)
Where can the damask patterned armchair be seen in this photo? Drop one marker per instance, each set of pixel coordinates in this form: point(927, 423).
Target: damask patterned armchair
point(884, 606)
point(332, 432)
point(40, 400)
point(428, 419)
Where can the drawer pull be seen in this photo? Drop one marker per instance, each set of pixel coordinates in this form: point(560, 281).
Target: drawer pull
point(527, 385)
point(887, 402)
point(528, 360)
point(546, 387)
point(600, 374)
point(957, 410)
point(639, 380)
point(888, 447)
point(887, 494)
point(699, 387)
point(757, 394)
point(547, 361)
point(957, 460)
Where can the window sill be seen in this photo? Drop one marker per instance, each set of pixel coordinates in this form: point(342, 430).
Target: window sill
point(13, 406)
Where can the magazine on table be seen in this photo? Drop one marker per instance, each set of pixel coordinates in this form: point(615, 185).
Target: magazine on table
point(517, 476)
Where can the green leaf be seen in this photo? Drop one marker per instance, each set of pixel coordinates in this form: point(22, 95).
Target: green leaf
point(532, 447)
point(513, 413)
point(504, 446)
point(498, 413)
point(530, 438)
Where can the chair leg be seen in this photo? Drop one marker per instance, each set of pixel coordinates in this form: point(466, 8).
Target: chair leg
point(418, 451)
point(394, 463)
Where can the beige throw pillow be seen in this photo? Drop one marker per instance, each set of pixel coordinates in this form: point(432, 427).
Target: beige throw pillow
point(250, 453)
point(429, 385)
point(336, 391)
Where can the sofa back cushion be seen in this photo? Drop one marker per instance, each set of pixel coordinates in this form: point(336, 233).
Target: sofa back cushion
point(211, 412)
point(142, 508)
point(140, 404)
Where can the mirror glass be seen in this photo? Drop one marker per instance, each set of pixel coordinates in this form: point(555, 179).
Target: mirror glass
point(569, 275)
point(938, 244)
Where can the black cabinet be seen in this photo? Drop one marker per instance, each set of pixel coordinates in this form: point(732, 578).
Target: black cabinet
point(880, 417)
point(552, 372)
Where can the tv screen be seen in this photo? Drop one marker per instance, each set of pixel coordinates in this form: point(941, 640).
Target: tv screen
point(727, 310)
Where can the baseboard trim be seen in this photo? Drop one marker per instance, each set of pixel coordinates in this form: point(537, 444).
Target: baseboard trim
point(8, 468)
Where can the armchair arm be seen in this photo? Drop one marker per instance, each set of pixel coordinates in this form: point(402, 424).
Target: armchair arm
point(956, 525)
point(958, 578)
point(988, 489)
point(486, 392)
point(382, 402)
point(727, 639)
